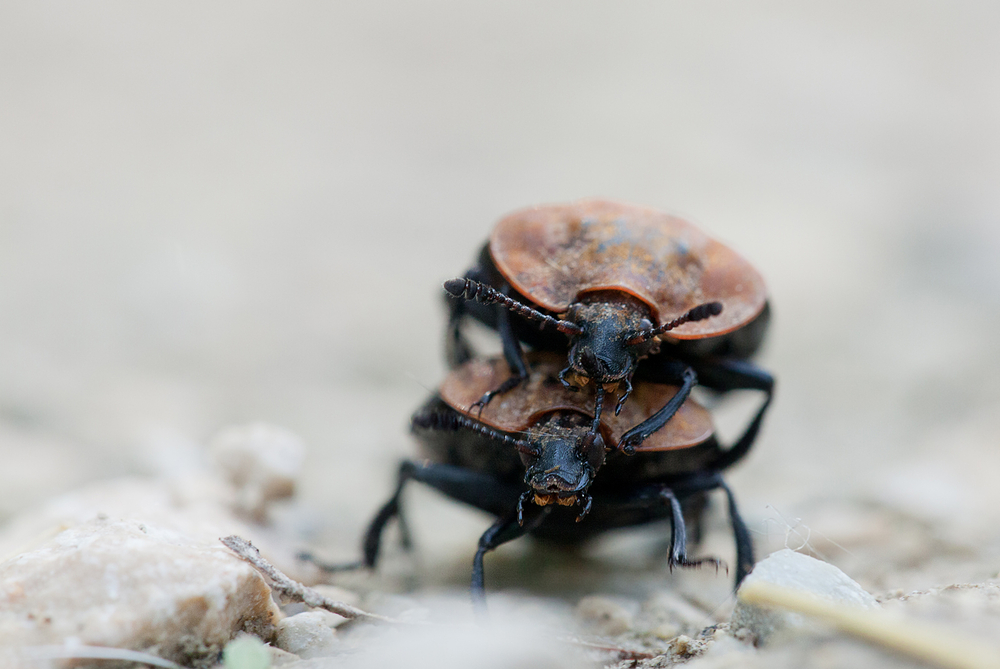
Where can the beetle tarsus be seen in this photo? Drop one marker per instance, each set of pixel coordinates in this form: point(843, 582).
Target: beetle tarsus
point(567, 384)
point(585, 502)
point(487, 397)
point(624, 396)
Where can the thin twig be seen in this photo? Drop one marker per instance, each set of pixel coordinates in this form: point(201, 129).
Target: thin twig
point(923, 641)
point(293, 589)
point(70, 651)
point(624, 653)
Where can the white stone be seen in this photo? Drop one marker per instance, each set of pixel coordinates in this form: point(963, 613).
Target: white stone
point(802, 573)
point(261, 461)
point(132, 585)
point(198, 507)
point(306, 634)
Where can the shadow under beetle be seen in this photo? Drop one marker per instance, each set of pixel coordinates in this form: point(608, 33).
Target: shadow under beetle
point(616, 284)
point(533, 461)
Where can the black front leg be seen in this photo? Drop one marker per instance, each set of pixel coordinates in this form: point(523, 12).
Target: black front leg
point(507, 528)
point(479, 490)
point(721, 375)
point(638, 434)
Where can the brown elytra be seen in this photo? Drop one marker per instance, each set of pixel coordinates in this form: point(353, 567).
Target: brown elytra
point(554, 254)
point(542, 393)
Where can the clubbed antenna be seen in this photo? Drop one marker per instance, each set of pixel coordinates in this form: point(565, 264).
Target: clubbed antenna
point(450, 421)
point(699, 313)
point(474, 290)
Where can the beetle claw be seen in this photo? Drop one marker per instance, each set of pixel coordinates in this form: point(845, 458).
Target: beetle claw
point(624, 396)
point(626, 446)
point(567, 384)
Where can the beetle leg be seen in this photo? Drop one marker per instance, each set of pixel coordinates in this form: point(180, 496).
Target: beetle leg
point(628, 391)
point(744, 544)
point(512, 353)
point(727, 374)
point(641, 432)
point(479, 490)
point(598, 406)
point(567, 384)
point(525, 496)
point(503, 530)
point(509, 384)
point(678, 535)
point(585, 505)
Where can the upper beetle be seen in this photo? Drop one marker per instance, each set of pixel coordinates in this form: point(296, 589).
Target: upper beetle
point(533, 461)
point(616, 280)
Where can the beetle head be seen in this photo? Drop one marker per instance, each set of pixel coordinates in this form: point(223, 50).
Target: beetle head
point(567, 456)
point(600, 351)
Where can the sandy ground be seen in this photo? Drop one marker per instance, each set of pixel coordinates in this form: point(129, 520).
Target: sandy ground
point(244, 211)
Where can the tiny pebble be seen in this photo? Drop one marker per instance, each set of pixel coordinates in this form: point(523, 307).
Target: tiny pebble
point(246, 652)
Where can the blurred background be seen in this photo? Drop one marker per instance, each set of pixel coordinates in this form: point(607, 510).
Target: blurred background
point(236, 211)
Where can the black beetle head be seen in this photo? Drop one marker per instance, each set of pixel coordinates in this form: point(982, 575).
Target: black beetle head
point(568, 456)
point(601, 352)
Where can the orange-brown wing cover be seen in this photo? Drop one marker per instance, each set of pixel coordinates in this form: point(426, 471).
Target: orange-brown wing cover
point(542, 393)
point(553, 253)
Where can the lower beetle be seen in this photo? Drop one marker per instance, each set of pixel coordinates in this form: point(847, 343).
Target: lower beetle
point(532, 459)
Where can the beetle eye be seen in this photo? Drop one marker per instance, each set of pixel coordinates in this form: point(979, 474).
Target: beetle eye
point(645, 324)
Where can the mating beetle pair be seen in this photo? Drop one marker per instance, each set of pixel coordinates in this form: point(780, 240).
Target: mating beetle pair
point(651, 307)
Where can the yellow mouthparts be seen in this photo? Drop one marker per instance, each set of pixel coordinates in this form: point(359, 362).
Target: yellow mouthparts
point(545, 500)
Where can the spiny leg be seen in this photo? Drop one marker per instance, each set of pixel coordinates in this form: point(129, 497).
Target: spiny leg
point(678, 535)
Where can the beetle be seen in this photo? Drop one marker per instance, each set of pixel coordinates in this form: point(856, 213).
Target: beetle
point(532, 460)
point(622, 284)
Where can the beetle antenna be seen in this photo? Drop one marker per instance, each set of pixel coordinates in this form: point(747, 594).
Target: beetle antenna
point(450, 421)
point(699, 313)
point(475, 290)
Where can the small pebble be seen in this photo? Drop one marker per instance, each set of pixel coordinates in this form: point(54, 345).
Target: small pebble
point(246, 652)
point(306, 634)
point(799, 572)
point(261, 461)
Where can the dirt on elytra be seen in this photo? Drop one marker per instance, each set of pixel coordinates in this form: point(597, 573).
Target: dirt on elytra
point(231, 213)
